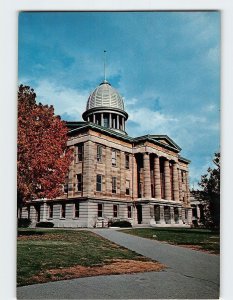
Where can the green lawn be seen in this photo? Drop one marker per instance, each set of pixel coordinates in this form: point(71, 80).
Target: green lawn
point(202, 238)
point(41, 250)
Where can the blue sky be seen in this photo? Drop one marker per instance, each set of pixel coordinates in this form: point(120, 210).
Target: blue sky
point(166, 65)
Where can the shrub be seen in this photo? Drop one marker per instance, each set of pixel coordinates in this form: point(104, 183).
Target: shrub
point(45, 224)
point(121, 224)
point(24, 222)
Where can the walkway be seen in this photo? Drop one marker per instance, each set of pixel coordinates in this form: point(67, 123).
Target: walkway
point(190, 275)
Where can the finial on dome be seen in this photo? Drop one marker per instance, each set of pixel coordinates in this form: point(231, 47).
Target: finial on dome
point(105, 66)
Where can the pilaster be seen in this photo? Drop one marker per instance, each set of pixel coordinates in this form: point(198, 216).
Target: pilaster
point(134, 177)
point(88, 169)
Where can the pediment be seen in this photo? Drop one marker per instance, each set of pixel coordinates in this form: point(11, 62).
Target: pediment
point(165, 140)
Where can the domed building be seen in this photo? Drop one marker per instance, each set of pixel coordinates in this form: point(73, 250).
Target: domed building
point(105, 107)
point(143, 180)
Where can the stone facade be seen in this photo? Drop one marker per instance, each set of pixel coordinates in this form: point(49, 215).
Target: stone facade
point(143, 180)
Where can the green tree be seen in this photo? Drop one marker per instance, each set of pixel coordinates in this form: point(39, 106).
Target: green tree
point(209, 194)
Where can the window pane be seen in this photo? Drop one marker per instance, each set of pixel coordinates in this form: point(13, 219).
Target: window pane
point(76, 210)
point(114, 158)
point(127, 185)
point(115, 211)
point(127, 161)
point(100, 210)
point(50, 211)
point(79, 182)
point(113, 184)
point(99, 153)
point(129, 212)
point(98, 183)
point(79, 156)
point(63, 211)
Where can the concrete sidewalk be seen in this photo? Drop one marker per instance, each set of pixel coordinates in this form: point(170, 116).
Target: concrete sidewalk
point(181, 260)
point(190, 275)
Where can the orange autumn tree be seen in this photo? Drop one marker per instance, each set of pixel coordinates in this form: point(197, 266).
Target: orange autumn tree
point(42, 157)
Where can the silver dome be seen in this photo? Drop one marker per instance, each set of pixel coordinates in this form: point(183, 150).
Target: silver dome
point(105, 96)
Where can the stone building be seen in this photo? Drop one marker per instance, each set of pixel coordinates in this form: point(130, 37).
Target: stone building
point(143, 180)
point(197, 208)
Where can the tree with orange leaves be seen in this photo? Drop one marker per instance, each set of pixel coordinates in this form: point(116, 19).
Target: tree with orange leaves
point(42, 157)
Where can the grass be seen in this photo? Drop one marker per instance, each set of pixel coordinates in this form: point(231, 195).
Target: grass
point(41, 253)
point(199, 239)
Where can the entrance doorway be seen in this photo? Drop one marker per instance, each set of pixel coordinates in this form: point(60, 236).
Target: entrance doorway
point(37, 208)
point(139, 213)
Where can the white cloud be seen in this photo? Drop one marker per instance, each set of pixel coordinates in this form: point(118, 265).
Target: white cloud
point(64, 99)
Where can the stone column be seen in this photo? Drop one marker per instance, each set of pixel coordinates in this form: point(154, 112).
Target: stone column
point(161, 215)
point(180, 185)
point(123, 124)
point(152, 215)
point(88, 119)
point(102, 119)
point(172, 220)
point(157, 178)
point(146, 171)
point(118, 127)
point(189, 216)
point(180, 215)
point(175, 182)
point(167, 180)
point(43, 212)
point(110, 120)
point(93, 118)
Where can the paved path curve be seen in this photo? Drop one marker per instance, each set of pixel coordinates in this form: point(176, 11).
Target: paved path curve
point(190, 275)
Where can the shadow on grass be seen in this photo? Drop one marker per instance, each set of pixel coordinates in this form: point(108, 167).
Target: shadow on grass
point(189, 230)
point(29, 232)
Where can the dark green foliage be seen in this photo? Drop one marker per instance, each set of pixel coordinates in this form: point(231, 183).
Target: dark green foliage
point(24, 222)
point(121, 224)
point(45, 224)
point(209, 194)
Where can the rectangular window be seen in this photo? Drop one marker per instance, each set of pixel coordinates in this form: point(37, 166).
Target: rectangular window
point(99, 153)
point(100, 210)
point(50, 211)
point(79, 156)
point(182, 175)
point(76, 210)
point(79, 182)
point(98, 183)
point(63, 211)
point(129, 212)
point(114, 185)
point(127, 187)
point(66, 188)
point(114, 156)
point(127, 161)
point(29, 212)
point(115, 211)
